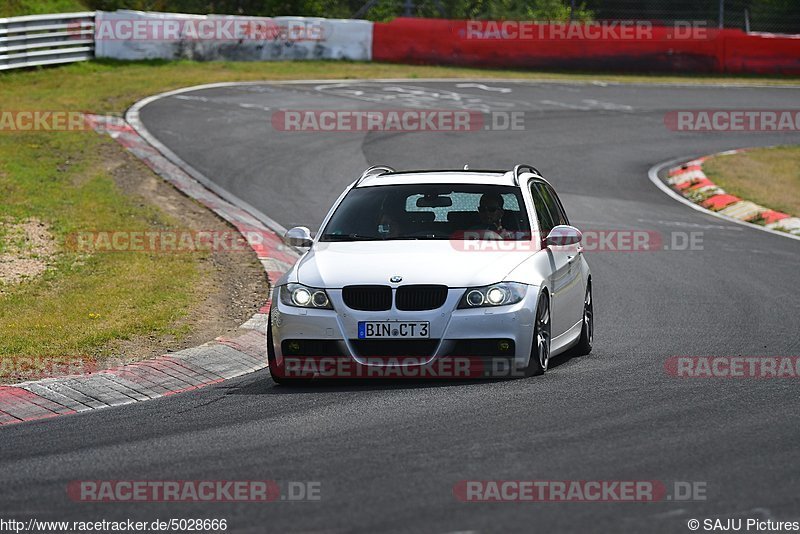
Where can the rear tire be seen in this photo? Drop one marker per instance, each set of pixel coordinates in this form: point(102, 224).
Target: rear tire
point(584, 345)
point(540, 347)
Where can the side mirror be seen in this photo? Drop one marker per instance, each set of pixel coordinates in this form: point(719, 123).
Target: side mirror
point(563, 235)
point(299, 236)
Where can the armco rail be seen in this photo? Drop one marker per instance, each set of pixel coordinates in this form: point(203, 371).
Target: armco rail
point(46, 39)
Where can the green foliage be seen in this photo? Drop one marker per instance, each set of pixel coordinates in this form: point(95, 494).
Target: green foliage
point(267, 8)
point(16, 8)
point(385, 10)
point(781, 16)
point(382, 10)
point(775, 15)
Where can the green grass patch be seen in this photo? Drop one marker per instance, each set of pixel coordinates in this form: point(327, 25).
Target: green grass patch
point(767, 176)
point(18, 8)
point(83, 301)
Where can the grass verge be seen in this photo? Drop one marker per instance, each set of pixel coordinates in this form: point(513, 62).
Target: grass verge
point(17, 8)
point(769, 177)
point(82, 302)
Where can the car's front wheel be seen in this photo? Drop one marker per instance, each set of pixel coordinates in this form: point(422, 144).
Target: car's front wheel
point(271, 363)
point(277, 372)
point(540, 348)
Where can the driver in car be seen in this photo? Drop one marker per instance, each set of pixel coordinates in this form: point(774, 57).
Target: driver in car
point(490, 211)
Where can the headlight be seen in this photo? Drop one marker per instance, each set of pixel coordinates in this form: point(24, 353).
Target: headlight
point(301, 296)
point(500, 294)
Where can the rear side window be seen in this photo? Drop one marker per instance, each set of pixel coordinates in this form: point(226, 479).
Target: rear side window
point(556, 208)
point(542, 211)
point(545, 199)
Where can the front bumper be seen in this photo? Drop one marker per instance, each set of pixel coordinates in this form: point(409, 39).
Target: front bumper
point(497, 336)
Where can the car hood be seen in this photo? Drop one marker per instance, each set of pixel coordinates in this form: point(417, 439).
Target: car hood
point(335, 265)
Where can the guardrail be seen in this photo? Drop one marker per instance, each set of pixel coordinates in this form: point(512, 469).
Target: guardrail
point(46, 39)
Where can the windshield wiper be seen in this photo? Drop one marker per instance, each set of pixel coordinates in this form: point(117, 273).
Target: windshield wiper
point(410, 237)
point(349, 237)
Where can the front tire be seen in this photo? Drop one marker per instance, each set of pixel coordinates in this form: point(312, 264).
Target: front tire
point(540, 347)
point(277, 372)
point(273, 366)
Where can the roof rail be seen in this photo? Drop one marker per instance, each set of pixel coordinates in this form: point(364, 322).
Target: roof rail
point(374, 170)
point(519, 169)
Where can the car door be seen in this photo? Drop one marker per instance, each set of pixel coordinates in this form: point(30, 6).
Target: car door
point(559, 264)
point(570, 306)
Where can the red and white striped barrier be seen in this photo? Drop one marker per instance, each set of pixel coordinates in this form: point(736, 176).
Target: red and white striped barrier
point(612, 44)
point(691, 182)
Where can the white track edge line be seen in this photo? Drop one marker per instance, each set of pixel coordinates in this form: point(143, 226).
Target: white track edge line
point(652, 173)
point(132, 118)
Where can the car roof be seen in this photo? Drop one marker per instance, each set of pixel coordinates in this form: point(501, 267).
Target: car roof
point(486, 177)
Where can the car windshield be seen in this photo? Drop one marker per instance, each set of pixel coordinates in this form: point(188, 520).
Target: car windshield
point(429, 211)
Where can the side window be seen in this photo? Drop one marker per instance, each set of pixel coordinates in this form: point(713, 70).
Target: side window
point(556, 209)
point(542, 211)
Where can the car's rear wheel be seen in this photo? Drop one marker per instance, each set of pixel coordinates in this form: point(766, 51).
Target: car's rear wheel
point(540, 348)
point(584, 345)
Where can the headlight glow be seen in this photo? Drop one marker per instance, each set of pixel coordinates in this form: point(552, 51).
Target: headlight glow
point(499, 294)
point(301, 296)
point(496, 296)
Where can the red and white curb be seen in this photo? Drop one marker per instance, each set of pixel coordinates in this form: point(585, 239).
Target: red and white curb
point(688, 183)
point(168, 374)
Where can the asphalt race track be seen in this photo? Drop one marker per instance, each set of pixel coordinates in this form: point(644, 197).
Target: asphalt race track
point(388, 455)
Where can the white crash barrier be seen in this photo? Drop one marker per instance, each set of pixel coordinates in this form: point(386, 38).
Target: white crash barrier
point(127, 34)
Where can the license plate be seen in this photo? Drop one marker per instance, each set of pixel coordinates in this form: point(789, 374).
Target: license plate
point(393, 330)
